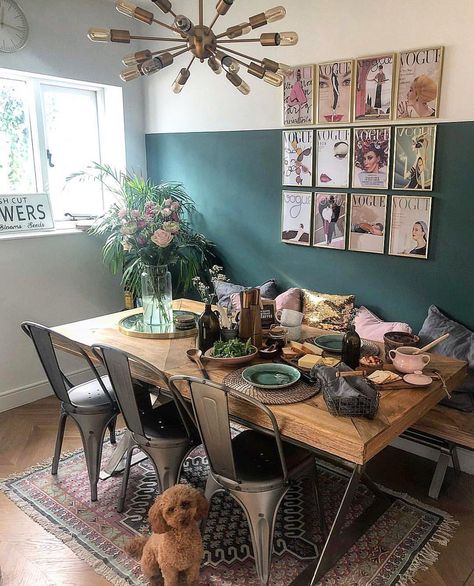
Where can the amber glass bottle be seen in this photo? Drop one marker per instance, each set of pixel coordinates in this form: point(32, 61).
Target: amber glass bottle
point(209, 330)
point(351, 348)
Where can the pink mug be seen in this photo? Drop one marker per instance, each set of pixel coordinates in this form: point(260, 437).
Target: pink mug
point(405, 360)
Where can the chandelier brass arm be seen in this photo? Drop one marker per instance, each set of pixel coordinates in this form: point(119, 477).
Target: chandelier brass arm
point(202, 42)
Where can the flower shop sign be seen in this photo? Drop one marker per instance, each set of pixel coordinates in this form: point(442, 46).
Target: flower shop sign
point(25, 213)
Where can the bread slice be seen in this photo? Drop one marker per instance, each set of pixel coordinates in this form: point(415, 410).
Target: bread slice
point(312, 349)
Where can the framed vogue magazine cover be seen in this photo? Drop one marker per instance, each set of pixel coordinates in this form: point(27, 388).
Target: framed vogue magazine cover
point(374, 85)
point(334, 92)
point(410, 226)
point(419, 83)
point(297, 158)
point(329, 220)
point(296, 211)
point(368, 223)
point(371, 157)
point(333, 161)
point(414, 157)
point(298, 96)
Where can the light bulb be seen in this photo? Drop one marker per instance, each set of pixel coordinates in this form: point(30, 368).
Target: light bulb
point(125, 8)
point(230, 64)
point(99, 35)
point(275, 14)
point(183, 24)
point(214, 65)
point(273, 78)
point(239, 83)
point(288, 39)
point(284, 69)
point(154, 65)
point(135, 58)
point(130, 73)
point(237, 31)
point(180, 81)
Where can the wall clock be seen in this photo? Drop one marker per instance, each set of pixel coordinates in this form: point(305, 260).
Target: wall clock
point(13, 27)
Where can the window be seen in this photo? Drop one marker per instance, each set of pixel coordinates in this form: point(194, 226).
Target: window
point(51, 128)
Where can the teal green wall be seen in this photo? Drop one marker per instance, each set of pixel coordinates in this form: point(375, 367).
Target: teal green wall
point(235, 179)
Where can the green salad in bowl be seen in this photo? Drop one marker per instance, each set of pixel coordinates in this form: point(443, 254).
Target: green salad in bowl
point(232, 352)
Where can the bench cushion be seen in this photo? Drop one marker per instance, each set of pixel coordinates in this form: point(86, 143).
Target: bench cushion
point(225, 290)
point(460, 344)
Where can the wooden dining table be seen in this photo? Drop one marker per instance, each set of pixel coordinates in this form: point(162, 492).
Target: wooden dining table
point(350, 441)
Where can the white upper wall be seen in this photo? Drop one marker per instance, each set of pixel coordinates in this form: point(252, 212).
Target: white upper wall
point(58, 46)
point(328, 29)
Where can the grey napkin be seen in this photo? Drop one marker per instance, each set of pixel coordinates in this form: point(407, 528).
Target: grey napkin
point(343, 388)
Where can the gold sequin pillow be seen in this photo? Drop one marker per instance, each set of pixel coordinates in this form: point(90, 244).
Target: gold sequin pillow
point(328, 312)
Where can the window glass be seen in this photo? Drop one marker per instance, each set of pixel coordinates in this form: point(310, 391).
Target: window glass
point(17, 167)
point(72, 141)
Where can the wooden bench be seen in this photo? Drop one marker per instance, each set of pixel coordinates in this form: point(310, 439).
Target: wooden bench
point(444, 429)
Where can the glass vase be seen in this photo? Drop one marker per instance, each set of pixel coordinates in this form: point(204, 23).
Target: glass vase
point(157, 295)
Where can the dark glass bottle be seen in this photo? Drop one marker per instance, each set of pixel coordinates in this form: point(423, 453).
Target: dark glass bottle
point(209, 330)
point(351, 348)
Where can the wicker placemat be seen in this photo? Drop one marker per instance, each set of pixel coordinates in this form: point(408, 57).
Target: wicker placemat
point(300, 391)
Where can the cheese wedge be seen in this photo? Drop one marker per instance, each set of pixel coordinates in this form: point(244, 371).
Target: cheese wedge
point(309, 360)
point(297, 347)
point(312, 349)
point(330, 361)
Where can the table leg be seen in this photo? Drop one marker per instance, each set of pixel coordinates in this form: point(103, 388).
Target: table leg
point(337, 542)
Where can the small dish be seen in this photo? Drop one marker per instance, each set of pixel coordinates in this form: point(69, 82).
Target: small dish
point(271, 376)
point(270, 352)
point(231, 361)
point(418, 379)
point(330, 342)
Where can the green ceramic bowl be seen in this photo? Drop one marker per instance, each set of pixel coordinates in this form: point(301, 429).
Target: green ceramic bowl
point(271, 376)
point(330, 342)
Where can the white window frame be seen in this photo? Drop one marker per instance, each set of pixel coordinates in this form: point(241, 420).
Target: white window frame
point(110, 120)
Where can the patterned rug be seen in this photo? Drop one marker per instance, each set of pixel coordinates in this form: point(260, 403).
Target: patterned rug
point(398, 545)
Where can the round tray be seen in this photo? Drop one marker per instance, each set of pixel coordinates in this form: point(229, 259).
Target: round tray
point(133, 325)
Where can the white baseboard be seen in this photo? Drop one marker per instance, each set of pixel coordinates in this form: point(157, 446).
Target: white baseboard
point(466, 457)
point(12, 398)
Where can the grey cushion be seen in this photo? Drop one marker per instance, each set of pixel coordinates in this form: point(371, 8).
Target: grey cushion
point(460, 344)
point(225, 290)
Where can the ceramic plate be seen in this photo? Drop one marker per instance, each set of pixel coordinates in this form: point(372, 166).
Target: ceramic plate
point(271, 376)
point(330, 342)
point(418, 380)
point(231, 361)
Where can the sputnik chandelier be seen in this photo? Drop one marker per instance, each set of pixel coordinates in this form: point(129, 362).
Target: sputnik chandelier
point(201, 42)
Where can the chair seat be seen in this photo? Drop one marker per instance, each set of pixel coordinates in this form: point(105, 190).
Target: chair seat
point(164, 423)
point(257, 460)
point(90, 395)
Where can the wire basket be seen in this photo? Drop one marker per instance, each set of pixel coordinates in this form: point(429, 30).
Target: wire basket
point(351, 407)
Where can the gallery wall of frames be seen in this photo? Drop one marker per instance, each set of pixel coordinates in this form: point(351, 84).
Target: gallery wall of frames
point(369, 91)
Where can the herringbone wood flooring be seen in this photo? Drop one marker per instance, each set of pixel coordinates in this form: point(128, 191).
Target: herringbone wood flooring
point(29, 556)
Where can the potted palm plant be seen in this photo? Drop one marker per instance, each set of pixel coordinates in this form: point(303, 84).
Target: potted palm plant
point(148, 233)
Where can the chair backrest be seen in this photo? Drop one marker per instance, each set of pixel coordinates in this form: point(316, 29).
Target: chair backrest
point(41, 337)
point(211, 409)
point(119, 366)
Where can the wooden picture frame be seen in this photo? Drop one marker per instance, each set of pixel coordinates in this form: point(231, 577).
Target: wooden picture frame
point(373, 96)
point(329, 223)
point(368, 223)
point(334, 90)
point(296, 217)
point(414, 150)
point(333, 157)
point(298, 96)
point(371, 157)
point(412, 90)
point(410, 226)
point(297, 157)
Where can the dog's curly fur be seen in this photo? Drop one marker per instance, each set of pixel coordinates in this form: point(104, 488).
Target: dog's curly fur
point(175, 545)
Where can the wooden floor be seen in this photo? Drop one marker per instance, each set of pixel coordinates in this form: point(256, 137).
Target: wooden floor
point(31, 556)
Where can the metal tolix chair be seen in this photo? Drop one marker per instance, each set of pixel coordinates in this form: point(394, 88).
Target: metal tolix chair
point(90, 405)
point(255, 468)
point(166, 434)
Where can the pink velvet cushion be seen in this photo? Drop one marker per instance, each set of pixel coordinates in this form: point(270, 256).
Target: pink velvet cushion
point(371, 327)
point(290, 299)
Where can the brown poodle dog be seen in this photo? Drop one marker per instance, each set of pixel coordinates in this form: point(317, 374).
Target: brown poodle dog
point(175, 545)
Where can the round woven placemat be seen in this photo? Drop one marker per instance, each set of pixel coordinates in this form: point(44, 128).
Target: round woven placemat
point(300, 391)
